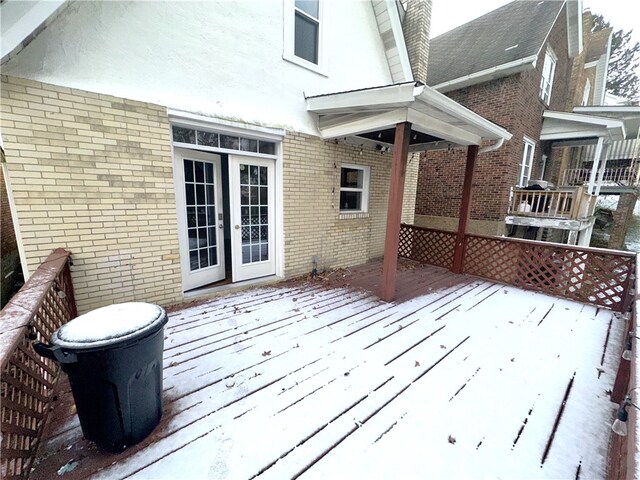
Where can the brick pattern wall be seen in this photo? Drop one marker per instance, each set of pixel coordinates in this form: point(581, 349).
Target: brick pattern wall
point(93, 173)
point(313, 225)
point(514, 103)
point(416, 27)
point(621, 219)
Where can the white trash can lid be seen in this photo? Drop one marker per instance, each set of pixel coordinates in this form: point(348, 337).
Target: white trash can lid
point(110, 325)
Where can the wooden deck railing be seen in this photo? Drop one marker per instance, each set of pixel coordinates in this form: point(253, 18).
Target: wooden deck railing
point(589, 275)
point(628, 176)
point(43, 304)
point(565, 204)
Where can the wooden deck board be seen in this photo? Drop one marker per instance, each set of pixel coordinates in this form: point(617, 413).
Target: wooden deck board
point(322, 379)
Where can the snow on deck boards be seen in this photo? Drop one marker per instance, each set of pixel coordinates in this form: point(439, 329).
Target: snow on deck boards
point(466, 379)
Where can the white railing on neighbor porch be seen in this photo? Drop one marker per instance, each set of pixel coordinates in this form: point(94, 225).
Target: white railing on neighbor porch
point(566, 204)
point(627, 176)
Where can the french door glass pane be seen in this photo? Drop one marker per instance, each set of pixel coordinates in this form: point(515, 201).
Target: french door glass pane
point(254, 216)
point(201, 222)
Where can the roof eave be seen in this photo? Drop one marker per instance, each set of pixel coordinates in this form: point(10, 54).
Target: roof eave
point(488, 74)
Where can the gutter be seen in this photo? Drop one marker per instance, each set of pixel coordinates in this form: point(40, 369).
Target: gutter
point(491, 148)
point(488, 74)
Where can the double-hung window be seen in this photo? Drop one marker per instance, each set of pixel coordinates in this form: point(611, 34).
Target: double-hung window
point(548, 70)
point(354, 189)
point(307, 30)
point(303, 23)
point(527, 162)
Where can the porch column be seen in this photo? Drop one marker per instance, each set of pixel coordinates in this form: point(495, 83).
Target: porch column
point(465, 209)
point(594, 168)
point(603, 167)
point(394, 210)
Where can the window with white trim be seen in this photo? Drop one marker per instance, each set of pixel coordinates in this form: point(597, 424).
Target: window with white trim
point(307, 30)
point(354, 188)
point(586, 93)
point(548, 70)
point(303, 24)
point(527, 161)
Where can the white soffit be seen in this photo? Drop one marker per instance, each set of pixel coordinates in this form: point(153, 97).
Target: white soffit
point(352, 113)
point(391, 33)
point(22, 21)
point(628, 114)
point(565, 126)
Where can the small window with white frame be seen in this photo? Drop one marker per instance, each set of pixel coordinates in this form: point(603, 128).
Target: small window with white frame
point(354, 188)
point(303, 23)
point(548, 71)
point(527, 161)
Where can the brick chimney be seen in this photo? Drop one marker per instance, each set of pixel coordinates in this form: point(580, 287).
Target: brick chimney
point(416, 27)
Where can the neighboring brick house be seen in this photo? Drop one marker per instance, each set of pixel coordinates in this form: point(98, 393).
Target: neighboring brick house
point(169, 156)
point(520, 66)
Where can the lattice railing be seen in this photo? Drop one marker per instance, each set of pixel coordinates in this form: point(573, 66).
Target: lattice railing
point(43, 304)
point(588, 275)
point(425, 245)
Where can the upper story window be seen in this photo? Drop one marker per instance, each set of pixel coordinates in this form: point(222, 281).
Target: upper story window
point(548, 70)
point(586, 93)
point(354, 189)
point(307, 29)
point(527, 161)
point(303, 24)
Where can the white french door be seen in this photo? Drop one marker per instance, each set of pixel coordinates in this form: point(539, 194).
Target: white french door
point(200, 219)
point(252, 217)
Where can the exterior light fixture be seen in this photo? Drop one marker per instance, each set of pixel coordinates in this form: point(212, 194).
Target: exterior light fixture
point(628, 347)
point(619, 425)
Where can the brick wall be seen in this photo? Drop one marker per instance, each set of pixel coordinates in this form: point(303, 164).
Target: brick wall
point(416, 27)
point(621, 219)
point(512, 102)
point(313, 225)
point(93, 174)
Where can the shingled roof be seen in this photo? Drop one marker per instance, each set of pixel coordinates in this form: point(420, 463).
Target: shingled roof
point(508, 34)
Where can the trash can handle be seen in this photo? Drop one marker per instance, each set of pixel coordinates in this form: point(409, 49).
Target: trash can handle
point(54, 352)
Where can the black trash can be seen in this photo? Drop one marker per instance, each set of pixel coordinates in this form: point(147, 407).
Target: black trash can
point(113, 357)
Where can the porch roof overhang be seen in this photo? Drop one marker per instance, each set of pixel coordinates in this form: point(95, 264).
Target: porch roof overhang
point(572, 126)
point(369, 116)
point(629, 115)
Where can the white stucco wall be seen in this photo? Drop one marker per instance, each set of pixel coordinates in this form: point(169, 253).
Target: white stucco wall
point(216, 58)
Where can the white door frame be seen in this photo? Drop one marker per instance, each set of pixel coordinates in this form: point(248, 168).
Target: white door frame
point(190, 120)
point(201, 276)
point(252, 269)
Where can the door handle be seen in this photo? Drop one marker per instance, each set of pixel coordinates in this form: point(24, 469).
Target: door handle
point(237, 227)
point(221, 226)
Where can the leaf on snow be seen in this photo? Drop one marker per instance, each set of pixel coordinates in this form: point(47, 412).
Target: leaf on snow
point(266, 353)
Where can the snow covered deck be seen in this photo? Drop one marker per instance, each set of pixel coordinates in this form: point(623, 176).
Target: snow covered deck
point(320, 379)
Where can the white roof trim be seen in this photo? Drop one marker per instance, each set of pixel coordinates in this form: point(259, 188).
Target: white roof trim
point(30, 18)
point(488, 74)
point(564, 126)
point(574, 27)
point(233, 127)
point(392, 35)
point(352, 113)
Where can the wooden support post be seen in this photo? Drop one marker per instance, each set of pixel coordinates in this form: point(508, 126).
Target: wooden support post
point(394, 210)
point(465, 209)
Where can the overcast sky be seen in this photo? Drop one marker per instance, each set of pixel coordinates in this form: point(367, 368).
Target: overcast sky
point(448, 14)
